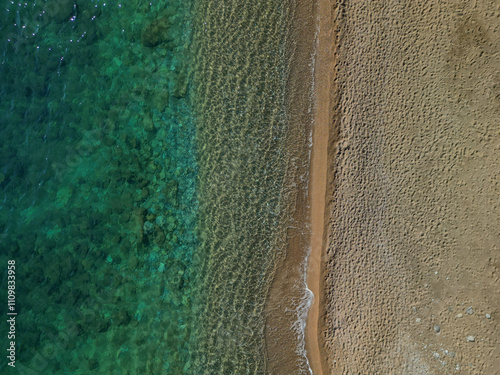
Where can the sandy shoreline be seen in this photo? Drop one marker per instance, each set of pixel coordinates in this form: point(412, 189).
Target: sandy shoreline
point(310, 212)
point(404, 262)
point(286, 300)
point(325, 129)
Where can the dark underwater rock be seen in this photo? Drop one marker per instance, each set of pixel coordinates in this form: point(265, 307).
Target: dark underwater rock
point(181, 85)
point(60, 10)
point(157, 32)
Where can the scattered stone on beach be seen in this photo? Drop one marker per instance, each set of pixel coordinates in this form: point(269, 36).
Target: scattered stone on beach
point(470, 310)
point(471, 338)
point(488, 316)
point(437, 328)
point(450, 353)
point(460, 315)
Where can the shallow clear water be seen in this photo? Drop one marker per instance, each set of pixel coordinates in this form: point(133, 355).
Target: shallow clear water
point(242, 135)
point(142, 179)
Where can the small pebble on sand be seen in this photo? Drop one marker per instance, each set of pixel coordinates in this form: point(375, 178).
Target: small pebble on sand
point(471, 339)
point(488, 316)
point(437, 329)
point(460, 315)
point(470, 311)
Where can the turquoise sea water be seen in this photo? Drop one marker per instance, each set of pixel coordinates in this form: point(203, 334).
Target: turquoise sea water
point(143, 150)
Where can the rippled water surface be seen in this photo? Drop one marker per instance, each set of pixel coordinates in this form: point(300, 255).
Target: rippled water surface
point(144, 181)
point(243, 139)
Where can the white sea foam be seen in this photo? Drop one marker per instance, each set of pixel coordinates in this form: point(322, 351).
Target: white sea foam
point(305, 304)
point(307, 298)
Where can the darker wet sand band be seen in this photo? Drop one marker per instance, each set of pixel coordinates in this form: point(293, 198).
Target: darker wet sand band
point(286, 295)
point(321, 184)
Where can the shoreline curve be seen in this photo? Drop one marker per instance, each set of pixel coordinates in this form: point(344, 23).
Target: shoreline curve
point(325, 129)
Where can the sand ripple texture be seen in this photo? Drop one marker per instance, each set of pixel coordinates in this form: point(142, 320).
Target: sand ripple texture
point(413, 237)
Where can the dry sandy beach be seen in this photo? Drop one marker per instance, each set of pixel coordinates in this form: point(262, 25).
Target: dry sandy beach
point(406, 266)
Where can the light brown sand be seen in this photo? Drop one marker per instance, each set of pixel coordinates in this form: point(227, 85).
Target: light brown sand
point(325, 131)
point(413, 236)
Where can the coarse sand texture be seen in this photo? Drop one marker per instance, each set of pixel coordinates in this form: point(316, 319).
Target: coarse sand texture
point(412, 264)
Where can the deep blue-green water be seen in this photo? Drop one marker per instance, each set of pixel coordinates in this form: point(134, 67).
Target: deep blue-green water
point(143, 159)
